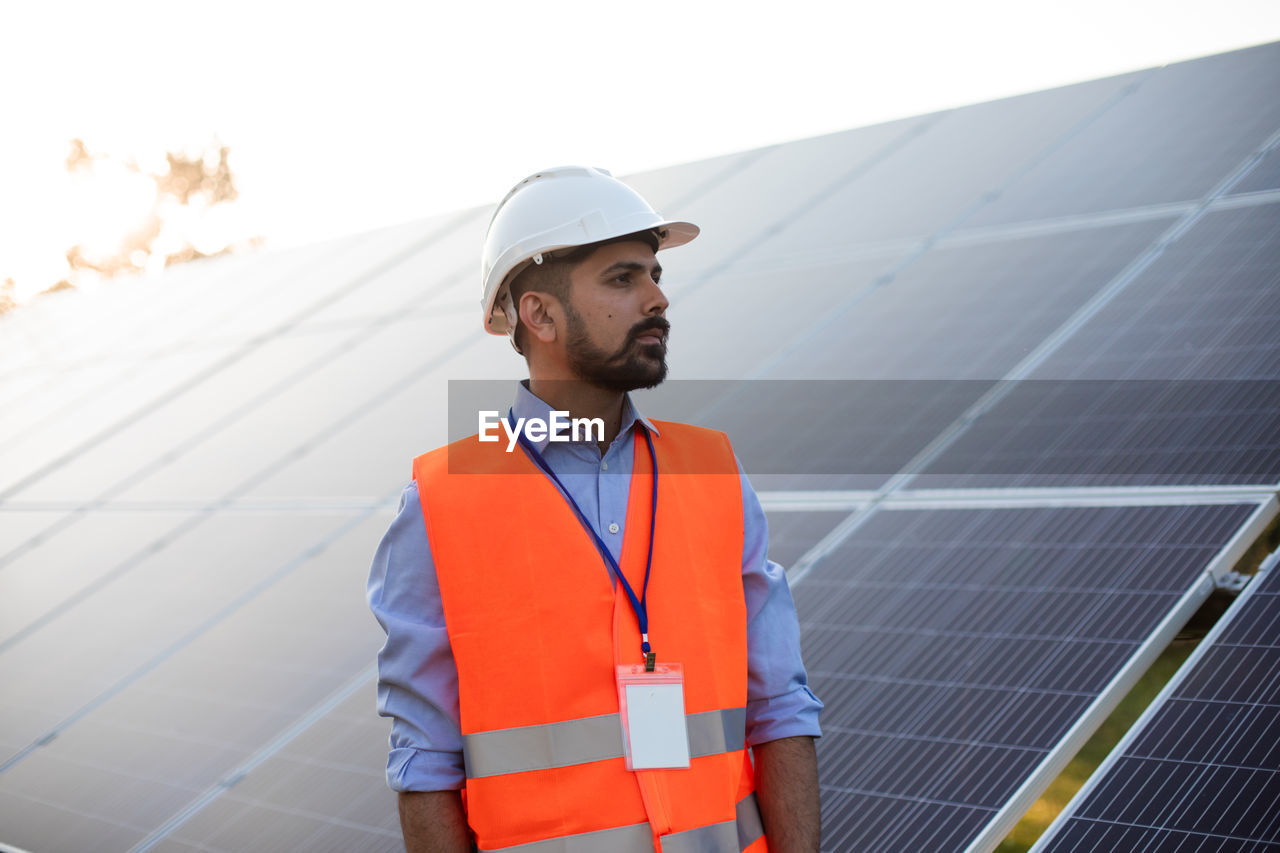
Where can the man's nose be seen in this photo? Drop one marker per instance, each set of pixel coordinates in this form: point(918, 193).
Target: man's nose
point(655, 300)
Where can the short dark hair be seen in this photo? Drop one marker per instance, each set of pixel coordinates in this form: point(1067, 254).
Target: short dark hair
point(552, 275)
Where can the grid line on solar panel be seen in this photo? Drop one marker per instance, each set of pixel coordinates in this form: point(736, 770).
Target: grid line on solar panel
point(1213, 278)
point(1207, 740)
point(50, 820)
point(792, 535)
point(995, 498)
point(1048, 696)
point(928, 243)
point(1184, 224)
point(254, 294)
point(1047, 349)
point(289, 364)
point(871, 817)
point(60, 332)
point(1079, 222)
point(245, 351)
point(261, 756)
point(1264, 178)
point(657, 196)
point(908, 737)
point(189, 318)
point(1182, 323)
point(996, 142)
point(243, 484)
point(752, 244)
point(239, 686)
point(162, 369)
point(1185, 124)
point(234, 825)
point(163, 654)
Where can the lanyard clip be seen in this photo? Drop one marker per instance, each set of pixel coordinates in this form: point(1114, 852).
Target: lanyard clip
point(650, 659)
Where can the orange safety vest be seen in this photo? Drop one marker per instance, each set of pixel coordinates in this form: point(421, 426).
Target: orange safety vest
point(537, 629)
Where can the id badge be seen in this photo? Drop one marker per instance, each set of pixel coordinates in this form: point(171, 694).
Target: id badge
point(654, 733)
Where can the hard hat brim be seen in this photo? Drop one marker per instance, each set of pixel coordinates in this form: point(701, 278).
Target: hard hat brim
point(671, 233)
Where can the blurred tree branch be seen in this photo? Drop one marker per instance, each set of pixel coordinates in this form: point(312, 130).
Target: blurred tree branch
point(194, 181)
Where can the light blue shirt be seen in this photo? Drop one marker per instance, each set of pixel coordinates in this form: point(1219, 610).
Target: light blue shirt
point(417, 676)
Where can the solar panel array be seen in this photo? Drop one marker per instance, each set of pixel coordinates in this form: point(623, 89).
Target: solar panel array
point(1202, 770)
point(1069, 289)
point(957, 647)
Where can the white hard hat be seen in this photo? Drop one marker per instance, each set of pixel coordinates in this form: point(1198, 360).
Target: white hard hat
point(556, 209)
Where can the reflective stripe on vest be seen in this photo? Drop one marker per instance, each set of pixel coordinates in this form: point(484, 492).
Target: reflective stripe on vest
point(730, 836)
point(570, 742)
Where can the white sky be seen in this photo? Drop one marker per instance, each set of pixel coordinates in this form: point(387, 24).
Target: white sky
point(342, 117)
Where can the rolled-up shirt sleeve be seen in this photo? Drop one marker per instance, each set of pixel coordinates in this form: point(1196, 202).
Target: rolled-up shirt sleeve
point(779, 701)
point(417, 676)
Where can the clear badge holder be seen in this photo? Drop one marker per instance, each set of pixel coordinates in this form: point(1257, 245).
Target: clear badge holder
point(654, 734)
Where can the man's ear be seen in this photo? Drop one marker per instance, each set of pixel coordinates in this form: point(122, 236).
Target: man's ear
point(538, 312)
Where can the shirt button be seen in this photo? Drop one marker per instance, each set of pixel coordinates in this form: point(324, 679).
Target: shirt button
point(604, 466)
point(613, 527)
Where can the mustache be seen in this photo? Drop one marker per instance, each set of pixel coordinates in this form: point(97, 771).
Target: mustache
point(652, 324)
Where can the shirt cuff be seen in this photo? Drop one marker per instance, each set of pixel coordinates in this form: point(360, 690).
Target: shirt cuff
point(790, 715)
point(410, 769)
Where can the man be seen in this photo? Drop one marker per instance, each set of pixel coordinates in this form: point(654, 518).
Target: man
point(586, 635)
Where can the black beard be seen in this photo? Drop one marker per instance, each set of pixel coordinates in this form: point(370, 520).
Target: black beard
point(621, 371)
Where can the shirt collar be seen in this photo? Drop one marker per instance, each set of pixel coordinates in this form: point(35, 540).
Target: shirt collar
point(529, 405)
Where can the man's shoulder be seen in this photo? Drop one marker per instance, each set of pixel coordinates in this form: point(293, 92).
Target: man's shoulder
point(689, 432)
point(444, 449)
point(467, 455)
point(701, 449)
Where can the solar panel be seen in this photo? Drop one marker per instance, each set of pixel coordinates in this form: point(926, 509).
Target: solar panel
point(1265, 176)
point(1201, 769)
point(742, 217)
point(79, 422)
point(967, 310)
point(190, 673)
point(18, 528)
point(792, 534)
point(325, 785)
point(756, 335)
point(72, 330)
point(406, 411)
point(1200, 311)
point(439, 268)
point(997, 141)
point(1179, 132)
point(957, 648)
point(1176, 380)
point(45, 571)
point(93, 622)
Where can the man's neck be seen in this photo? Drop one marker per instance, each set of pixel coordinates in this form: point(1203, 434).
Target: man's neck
point(583, 400)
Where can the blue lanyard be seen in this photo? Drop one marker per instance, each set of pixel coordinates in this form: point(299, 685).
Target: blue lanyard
point(639, 605)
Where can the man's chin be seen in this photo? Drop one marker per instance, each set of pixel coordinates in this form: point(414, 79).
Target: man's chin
point(658, 375)
point(635, 379)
